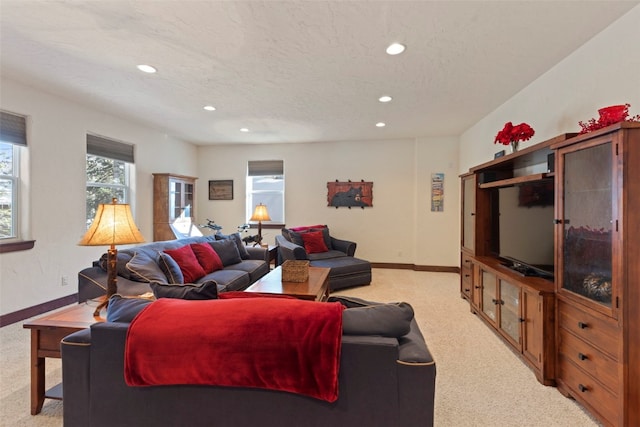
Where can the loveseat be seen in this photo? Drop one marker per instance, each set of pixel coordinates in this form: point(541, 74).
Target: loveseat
point(150, 268)
point(316, 244)
point(386, 378)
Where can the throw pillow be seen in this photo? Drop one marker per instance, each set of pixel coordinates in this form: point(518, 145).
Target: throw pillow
point(314, 242)
point(207, 257)
point(143, 268)
point(242, 249)
point(227, 250)
point(170, 268)
point(370, 318)
point(188, 263)
point(123, 310)
point(190, 291)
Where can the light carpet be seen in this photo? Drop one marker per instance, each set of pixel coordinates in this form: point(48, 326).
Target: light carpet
point(479, 381)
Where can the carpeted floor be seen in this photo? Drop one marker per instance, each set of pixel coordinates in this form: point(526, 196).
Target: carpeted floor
point(480, 382)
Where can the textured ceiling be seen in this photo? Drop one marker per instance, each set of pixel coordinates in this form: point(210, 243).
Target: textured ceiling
point(294, 71)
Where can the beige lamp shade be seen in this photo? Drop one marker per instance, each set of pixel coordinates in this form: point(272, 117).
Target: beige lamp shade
point(260, 214)
point(112, 225)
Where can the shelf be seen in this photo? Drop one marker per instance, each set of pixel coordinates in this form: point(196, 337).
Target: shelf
point(517, 180)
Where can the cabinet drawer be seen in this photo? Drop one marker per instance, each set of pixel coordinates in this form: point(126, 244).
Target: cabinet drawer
point(599, 332)
point(587, 390)
point(590, 360)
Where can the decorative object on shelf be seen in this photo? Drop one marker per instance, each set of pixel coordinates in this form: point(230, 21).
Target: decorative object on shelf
point(112, 225)
point(221, 189)
point(212, 225)
point(295, 271)
point(608, 116)
point(260, 214)
point(350, 194)
point(512, 135)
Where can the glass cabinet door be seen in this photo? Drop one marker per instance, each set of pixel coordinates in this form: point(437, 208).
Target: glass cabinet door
point(587, 223)
point(489, 295)
point(468, 213)
point(510, 310)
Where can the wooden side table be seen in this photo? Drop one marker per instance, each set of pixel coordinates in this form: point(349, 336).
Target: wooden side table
point(46, 333)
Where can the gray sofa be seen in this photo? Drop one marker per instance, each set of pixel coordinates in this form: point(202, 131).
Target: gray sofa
point(386, 378)
point(140, 266)
point(346, 269)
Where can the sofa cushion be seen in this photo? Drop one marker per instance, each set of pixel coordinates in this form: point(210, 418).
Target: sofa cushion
point(227, 250)
point(314, 242)
point(207, 257)
point(123, 310)
point(255, 268)
point(188, 263)
point(191, 291)
point(144, 268)
point(242, 249)
point(228, 280)
point(371, 318)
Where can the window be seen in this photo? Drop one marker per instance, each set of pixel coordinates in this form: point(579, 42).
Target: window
point(109, 166)
point(13, 139)
point(265, 184)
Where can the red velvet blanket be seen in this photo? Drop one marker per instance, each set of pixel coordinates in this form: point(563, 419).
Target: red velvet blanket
point(271, 343)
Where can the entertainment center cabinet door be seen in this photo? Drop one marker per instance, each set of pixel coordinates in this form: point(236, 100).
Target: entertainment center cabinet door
point(510, 317)
point(489, 286)
point(468, 220)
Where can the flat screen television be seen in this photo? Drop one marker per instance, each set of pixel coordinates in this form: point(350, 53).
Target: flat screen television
point(522, 228)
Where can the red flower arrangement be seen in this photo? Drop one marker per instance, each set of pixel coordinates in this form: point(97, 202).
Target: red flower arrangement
point(514, 134)
point(608, 116)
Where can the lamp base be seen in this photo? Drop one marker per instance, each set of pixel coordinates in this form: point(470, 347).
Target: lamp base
point(112, 273)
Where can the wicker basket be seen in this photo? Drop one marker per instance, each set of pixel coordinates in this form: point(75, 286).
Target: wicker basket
point(295, 271)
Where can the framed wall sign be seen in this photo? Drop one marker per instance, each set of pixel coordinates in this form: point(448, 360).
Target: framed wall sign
point(221, 189)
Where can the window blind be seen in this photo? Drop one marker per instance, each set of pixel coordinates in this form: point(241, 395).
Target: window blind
point(13, 128)
point(265, 167)
point(105, 147)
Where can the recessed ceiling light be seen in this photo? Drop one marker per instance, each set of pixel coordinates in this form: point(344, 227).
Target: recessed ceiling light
point(395, 48)
point(244, 130)
point(381, 124)
point(210, 108)
point(147, 68)
point(385, 98)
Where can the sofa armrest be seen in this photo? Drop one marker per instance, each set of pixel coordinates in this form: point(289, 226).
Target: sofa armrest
point(289, 251)
point(258, 253)
point(76, 350)
point(345, 246)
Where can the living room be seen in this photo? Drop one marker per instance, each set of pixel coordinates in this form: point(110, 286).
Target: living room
point(400, 227)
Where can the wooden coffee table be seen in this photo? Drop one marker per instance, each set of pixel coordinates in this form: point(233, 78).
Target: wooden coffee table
point(46, 333)
point(316, 288)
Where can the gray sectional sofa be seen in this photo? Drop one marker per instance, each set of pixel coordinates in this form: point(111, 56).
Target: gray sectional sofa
point(141, 270)
point(333, 253)
point(386, 378)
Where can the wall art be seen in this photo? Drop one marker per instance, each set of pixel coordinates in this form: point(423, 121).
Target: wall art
point(221, 189)
point(350, 194)
point(437, 192)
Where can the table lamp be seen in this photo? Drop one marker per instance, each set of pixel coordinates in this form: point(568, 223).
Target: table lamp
point(260, 214)
point(112, 225)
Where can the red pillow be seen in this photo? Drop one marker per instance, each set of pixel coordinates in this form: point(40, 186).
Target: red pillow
point(314, 242)
point(207, 257)
point(188, 263)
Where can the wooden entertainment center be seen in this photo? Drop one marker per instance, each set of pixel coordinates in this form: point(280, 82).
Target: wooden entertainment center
point(580, 328)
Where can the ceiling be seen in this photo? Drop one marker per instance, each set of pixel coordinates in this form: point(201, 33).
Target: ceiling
point(293, 71)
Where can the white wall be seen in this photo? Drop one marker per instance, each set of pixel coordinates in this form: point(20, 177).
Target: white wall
point(399, 228)
point(604, 71)
point(57, 131)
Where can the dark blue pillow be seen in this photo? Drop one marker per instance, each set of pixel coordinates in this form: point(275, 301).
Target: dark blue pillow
point(121, 309)
point(191, 291)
